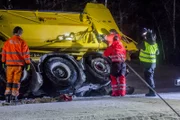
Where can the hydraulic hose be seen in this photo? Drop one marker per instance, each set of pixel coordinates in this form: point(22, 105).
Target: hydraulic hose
point(153, 90)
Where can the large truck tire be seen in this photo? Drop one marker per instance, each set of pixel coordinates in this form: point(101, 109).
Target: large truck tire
point(63, 74)
point(97, 68)
point(31, 81)
point(25, 82)
point(60, 72)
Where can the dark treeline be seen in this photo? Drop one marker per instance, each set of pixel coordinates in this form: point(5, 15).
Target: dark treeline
point(132, 16)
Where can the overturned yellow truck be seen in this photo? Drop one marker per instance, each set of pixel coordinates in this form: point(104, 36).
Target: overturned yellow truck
point(66, 47)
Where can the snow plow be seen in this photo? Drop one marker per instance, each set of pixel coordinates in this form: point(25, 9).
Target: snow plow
point(66, 48)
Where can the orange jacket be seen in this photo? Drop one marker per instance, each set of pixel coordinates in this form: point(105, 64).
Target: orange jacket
point(15, 52)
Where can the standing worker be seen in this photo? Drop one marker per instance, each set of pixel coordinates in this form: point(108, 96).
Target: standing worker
point(148, 51)
point(117, 53)
point(15, 55)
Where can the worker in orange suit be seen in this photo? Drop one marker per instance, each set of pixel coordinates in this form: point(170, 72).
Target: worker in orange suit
point(117, 53)
point(15, 57)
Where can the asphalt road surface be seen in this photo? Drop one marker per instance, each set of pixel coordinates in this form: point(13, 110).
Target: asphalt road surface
point(130, 107)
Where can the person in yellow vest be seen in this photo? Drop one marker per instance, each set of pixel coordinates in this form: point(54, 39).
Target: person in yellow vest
point(148, 52)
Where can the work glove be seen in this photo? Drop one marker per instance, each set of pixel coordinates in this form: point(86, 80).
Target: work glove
point(3, 65)
point(27, 67)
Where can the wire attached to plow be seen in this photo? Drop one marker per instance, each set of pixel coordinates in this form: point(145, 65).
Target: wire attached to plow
point(153, 90)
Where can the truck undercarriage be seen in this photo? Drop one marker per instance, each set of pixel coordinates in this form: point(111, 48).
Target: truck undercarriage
point(66, 50)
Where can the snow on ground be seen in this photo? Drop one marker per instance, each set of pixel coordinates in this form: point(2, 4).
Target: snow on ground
point(130, 107)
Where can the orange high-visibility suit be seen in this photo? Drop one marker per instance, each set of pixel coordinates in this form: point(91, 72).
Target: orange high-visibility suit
point(15, 54)
point(117, 53)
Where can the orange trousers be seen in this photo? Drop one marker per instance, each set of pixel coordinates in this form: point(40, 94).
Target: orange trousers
point(13, 76)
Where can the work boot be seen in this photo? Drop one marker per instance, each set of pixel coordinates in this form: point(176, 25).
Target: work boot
point(13, 98)
point(115, 94)
point(7, 97)
point(150, 94)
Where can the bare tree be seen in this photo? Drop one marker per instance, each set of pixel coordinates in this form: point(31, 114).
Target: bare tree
point(160, 36)
point(122, 9)
point(172, 19)
point(174, 25)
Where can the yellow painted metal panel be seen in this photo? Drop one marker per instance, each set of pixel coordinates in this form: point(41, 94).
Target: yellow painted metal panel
point(72, 33)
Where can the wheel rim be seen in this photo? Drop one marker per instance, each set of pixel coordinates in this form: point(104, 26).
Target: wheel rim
point(61, 70)
point(100, 65)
